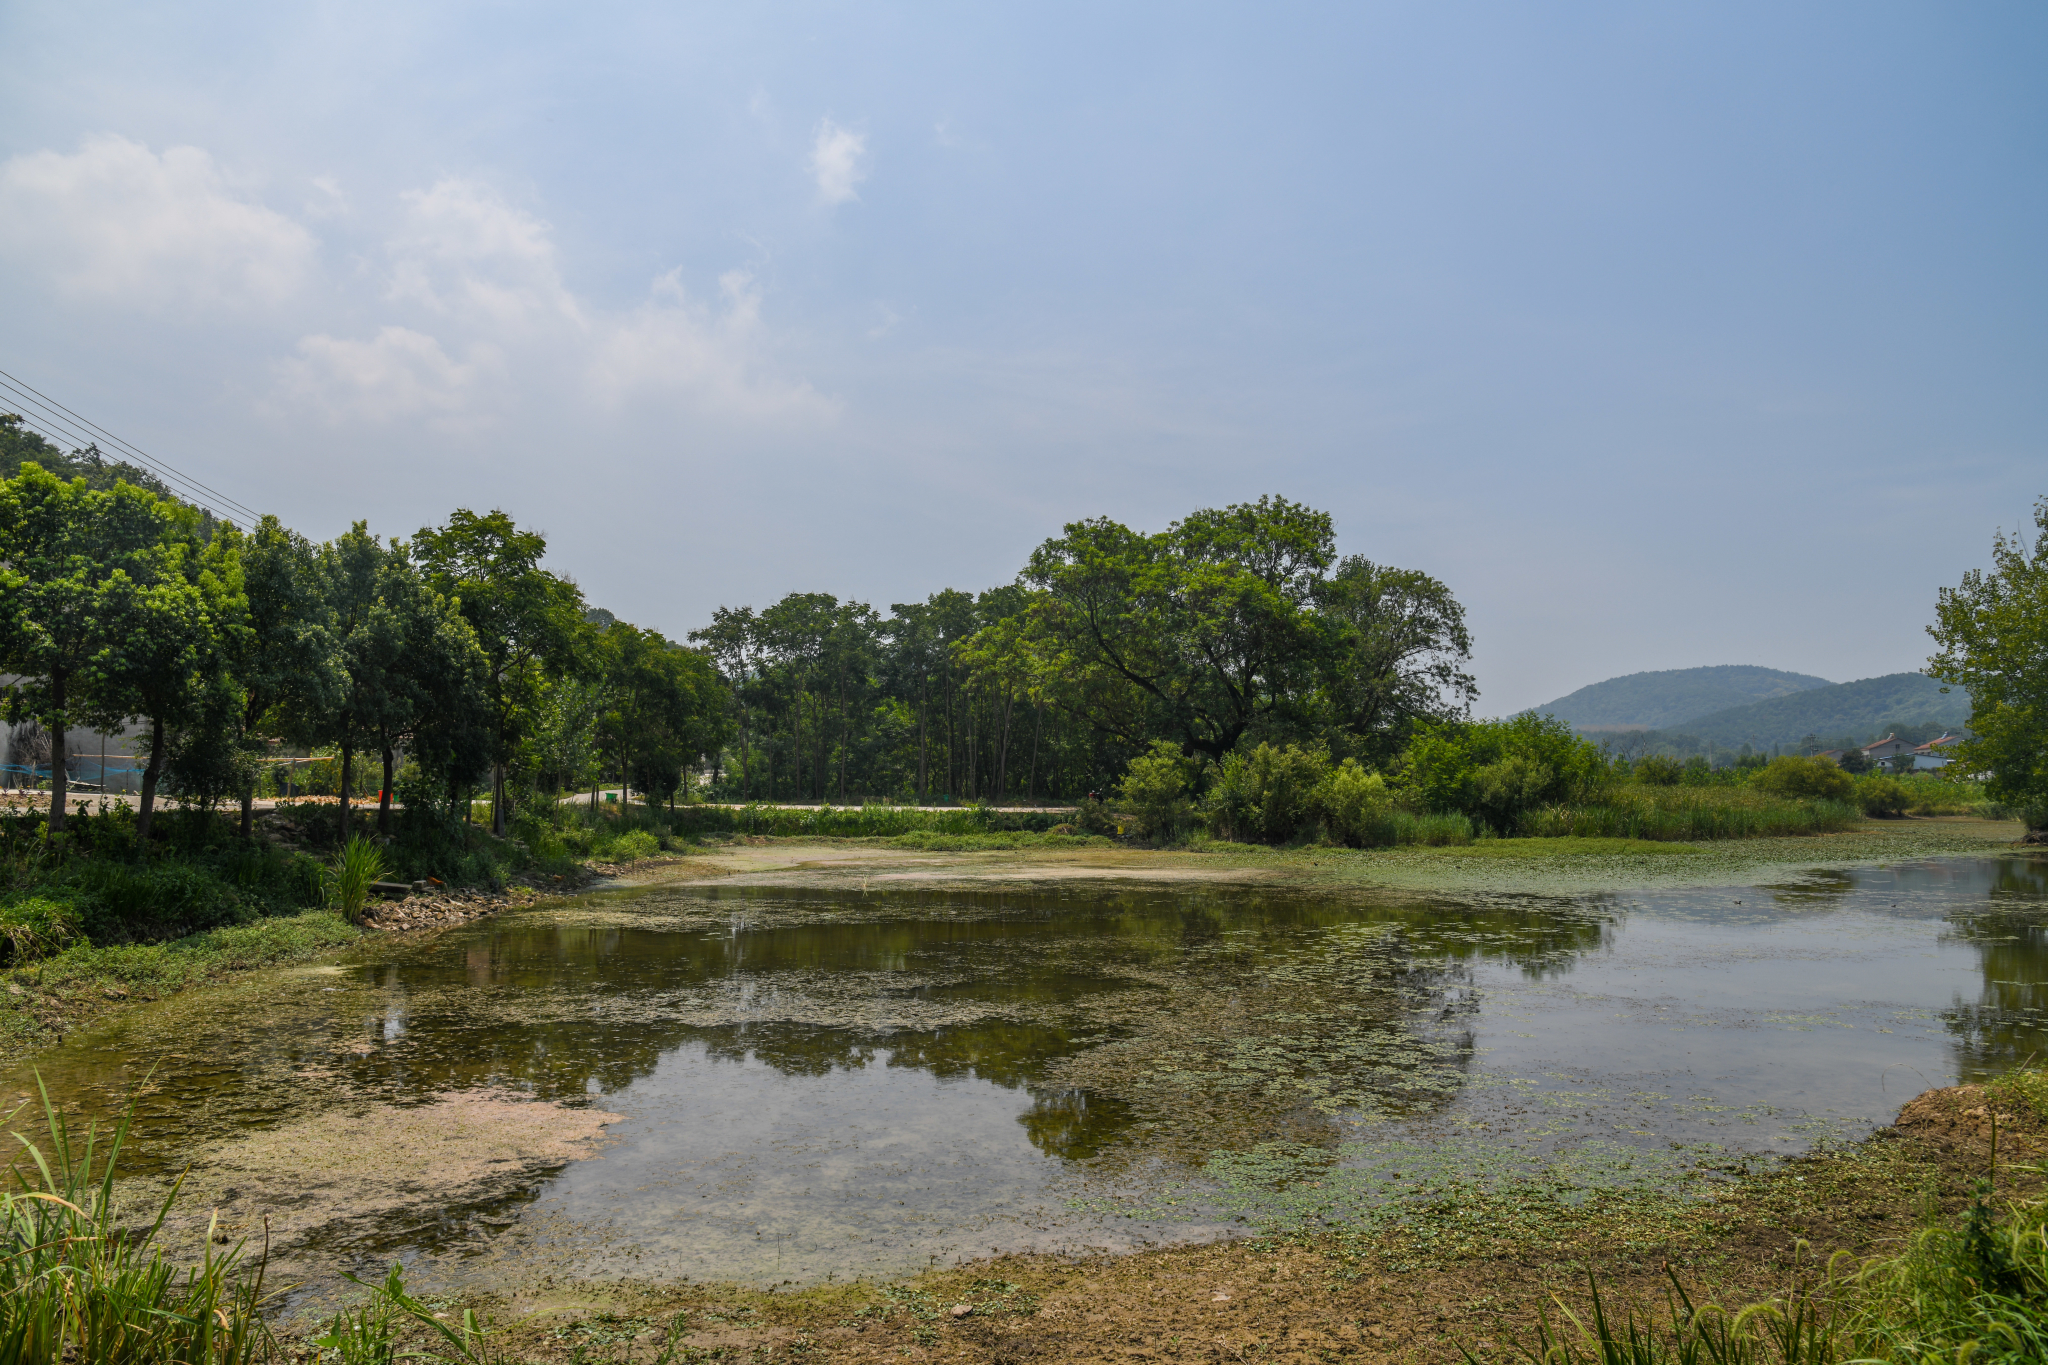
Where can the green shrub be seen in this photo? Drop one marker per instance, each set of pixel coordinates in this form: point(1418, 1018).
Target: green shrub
point(1634, 811)
point(1792, 775)
point(35, 928)
point(1657, 770)
point(1267, 795)
point(121, 901)
point(1881, 795)
point(361, 862)
point(1442, 829)
point(1356, 806)
point(1154, 789)
point(629, 847)
point(1495, 770)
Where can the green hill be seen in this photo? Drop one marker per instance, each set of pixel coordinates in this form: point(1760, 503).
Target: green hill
point(1859, 712)
point(1661, 700)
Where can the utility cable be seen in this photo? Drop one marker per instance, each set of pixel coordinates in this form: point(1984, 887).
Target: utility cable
point(60, 432)
point(161, 467)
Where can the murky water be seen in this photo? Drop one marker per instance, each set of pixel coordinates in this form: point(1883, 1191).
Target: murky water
point(829, 1083)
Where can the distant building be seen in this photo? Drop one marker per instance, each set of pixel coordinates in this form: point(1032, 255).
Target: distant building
point(1935, 753)
point(1832, 755)
point(1889, 747)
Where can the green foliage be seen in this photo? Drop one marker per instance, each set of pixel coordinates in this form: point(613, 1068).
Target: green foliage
point(1356, 805)
point(1877, 794)
point(630, 846)
point(1499, 770)
point(1993, 633)
point(1658, 770)
point(1155, 790)
point(36, 928)
point(1693, 813)
point(1792, 775)
point(361, 863)
point(1267, 795)
point(79, 1286)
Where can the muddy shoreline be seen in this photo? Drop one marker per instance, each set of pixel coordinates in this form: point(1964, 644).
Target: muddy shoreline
point(1410, 1295)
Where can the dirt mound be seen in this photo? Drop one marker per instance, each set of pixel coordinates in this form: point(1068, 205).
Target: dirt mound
point(1960, 1117)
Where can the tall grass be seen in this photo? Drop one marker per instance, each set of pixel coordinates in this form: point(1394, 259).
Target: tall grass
point(1636, 811)
point(1973, 1288)
point(74, 1286)
point(361, 863)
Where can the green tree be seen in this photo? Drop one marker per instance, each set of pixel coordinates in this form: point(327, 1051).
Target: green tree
point(172, 642)
point(77, 569)
point(527, 620)
point(288, 661)
point(415, 672)
point(1202, 633)
point(1993, 633)
point(1797, 775)
point(1399, 662)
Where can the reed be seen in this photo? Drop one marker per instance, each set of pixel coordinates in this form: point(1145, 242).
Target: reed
point(74, 1286)
point(1636, 811)
point(361, 863)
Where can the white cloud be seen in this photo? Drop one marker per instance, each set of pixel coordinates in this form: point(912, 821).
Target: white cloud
point(480, 280)
point(399, 373)
point(466, 253)
point(669, 347)
point(115, 220)
point(836, 157)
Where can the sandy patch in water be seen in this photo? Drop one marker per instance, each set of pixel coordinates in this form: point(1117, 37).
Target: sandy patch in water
point(353, 1179)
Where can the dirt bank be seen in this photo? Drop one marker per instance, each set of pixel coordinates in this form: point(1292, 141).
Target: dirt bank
point(1474, 1278)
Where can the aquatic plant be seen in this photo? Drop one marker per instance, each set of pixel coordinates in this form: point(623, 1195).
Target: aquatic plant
point(361, 863)
point(76, 1286)
point(1972, 1289)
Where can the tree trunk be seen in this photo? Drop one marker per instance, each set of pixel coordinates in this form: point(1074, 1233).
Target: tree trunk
point(384, 797)
point(498, 799)
point(59, 795)
point(842, 739)
point(921, 766)
point(1003, 748)
point(146, 813)
point(796, 750)
point(1031, 779)
point(249, 807)
point(348, 755)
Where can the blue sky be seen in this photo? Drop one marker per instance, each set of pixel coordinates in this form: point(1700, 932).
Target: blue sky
point(1666, 335)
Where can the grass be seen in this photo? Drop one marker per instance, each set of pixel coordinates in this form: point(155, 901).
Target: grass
point(858, 822)
point(1639, 811)
point(927, 842)
point(1972, 1286)
point(44, 1000)
point(76, 1286)
point(1567, 846)
point(360, 864)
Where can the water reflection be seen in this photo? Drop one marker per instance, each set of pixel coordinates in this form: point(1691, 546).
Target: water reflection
point(966, 1050)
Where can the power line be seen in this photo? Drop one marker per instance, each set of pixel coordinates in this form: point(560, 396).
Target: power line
point(48, 417)
point(60, 432)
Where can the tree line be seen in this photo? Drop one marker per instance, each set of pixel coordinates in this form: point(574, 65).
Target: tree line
point(457, 665)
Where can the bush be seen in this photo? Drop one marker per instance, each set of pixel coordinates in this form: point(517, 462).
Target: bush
point(1495, 770)
point(35, 928)
point(1355, 806)
point(1154, 788)
point(1267, 795)
point(1792, 775)
point(1880, 795)
point(1659, 771)
point(631, 846)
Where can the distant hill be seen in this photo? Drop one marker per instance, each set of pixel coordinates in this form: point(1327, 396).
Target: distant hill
point(1659, 701)
point(1856, 711)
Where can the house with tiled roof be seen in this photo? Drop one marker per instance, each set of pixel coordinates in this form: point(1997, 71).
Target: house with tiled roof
point(1935, 753)
point(1891, 746)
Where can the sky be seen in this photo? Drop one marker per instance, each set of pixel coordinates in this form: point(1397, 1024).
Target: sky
point(1665, 335)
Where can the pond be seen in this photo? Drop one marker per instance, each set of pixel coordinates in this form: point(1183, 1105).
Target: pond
point(775, 1083)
